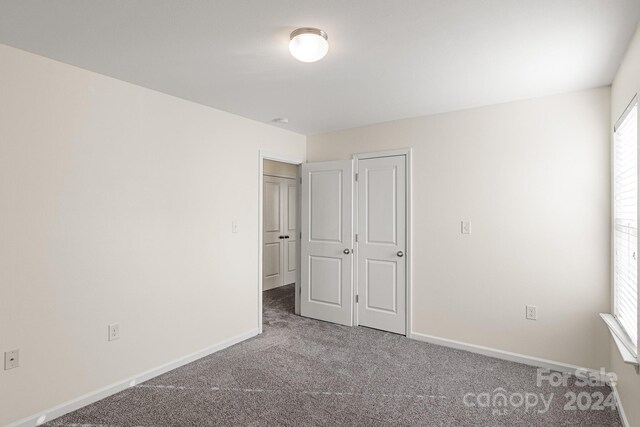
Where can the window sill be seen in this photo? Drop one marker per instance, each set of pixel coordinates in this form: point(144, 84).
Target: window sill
point(621, 339)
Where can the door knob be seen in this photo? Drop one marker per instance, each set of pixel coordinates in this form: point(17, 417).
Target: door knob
point(286, 237)
point(400, 254)
point(346, 251)
point(280, 237)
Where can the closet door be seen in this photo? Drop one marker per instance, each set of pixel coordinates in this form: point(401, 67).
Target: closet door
point(273, 240)
point(381, 260)
point(327, 242)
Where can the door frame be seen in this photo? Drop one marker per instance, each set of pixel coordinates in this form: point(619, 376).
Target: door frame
point(409, 249)
point(267, 155)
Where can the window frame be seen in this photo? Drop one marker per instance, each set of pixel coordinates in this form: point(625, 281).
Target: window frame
point(622, 338)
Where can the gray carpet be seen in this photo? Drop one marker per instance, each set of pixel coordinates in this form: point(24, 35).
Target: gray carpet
point(303, 372)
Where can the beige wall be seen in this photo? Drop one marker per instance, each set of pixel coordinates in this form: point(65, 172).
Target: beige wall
point(280, 169)
point(112, 211)
point(533, 179)
point(624, 87)
point(115, 207)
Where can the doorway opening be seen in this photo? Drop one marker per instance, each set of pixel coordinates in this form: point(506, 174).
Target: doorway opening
point(279, 226)
point(280, 229)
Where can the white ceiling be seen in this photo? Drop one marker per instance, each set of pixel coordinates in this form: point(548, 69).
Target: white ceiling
point(388, 59)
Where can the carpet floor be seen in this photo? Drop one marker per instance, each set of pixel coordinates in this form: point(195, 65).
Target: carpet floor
point(303, 372)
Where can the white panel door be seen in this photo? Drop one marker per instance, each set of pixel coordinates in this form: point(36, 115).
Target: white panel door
point(381, 243)
point(279, 253)
point(327, 242)
point(273, 232)
point(289, 193)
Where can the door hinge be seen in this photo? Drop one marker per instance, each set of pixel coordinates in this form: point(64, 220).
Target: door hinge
point(356, 238)
point(356, 177)
point(300, 180)
point(301, 235)
point(357, 299)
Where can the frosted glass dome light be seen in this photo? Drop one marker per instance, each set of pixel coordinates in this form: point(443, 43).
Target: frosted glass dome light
point(308, 44)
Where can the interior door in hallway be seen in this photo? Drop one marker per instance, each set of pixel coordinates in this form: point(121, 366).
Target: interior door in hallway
point(327, 242)
point(280, 242)
point(289, 190)
point(381, 243)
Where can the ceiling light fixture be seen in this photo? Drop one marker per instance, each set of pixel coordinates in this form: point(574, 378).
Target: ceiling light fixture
point(308, 44)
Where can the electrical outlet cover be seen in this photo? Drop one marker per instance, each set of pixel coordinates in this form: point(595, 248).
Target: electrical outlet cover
point(532, 312)
point(11, 359)
point(114, 332)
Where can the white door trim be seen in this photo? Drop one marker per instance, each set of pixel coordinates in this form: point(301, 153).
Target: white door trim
point(262, 155)
point(409, 250)
point(280, 175)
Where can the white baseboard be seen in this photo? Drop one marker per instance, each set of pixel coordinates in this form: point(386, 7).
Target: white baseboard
point(504, 355)
point(524, 359)
point(623, 416)
point(86, 399)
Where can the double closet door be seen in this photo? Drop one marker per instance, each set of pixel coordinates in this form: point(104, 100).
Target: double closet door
point(280, 232)
point(354, 241)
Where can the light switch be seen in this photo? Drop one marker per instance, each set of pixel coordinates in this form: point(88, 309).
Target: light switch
point(465, 227)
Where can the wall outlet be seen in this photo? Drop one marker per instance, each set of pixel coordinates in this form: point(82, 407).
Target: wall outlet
point(11, 359)
point(532, 312)
point(114, 332)
point(465, 227)
point(234, 227)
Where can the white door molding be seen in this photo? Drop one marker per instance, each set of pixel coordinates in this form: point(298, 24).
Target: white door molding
point(280, 175)
point(268, 155)
point(408, 223)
